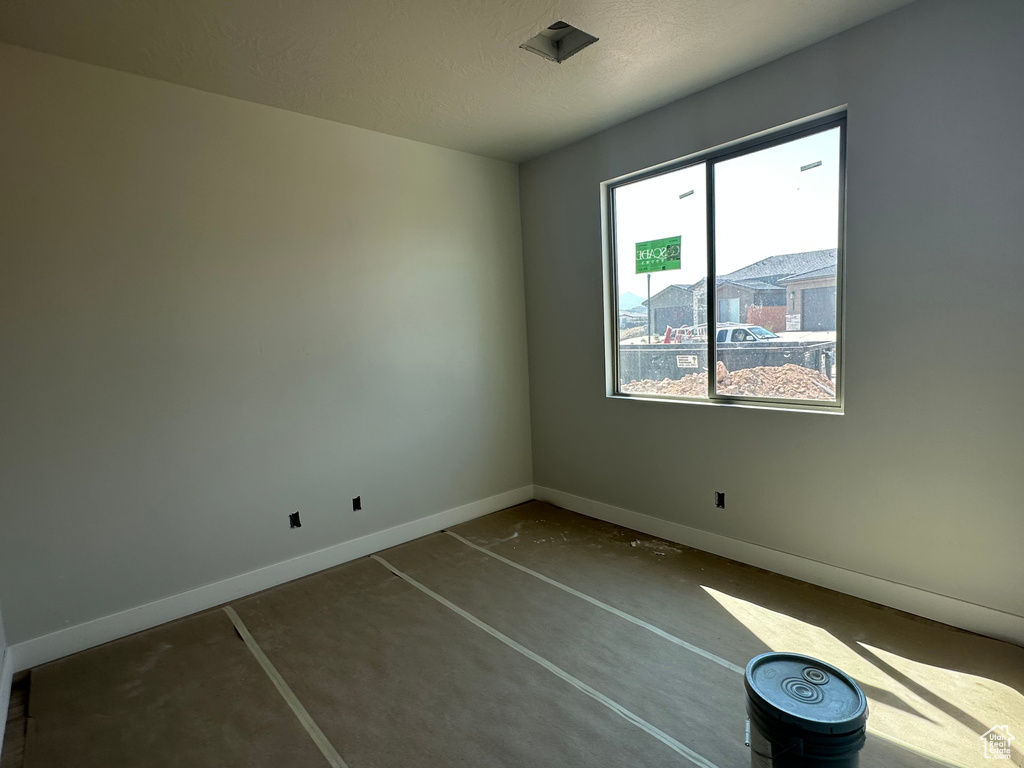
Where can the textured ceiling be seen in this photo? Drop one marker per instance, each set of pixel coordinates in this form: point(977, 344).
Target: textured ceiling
point(446, 72)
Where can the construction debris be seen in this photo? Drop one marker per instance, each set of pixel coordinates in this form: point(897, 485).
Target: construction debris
point(791, 382)
point(633, 333)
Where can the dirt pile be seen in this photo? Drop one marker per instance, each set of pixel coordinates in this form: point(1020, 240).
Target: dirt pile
point(632, 333)
point(788, 381)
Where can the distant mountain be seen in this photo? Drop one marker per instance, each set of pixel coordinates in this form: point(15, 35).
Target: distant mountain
point(629, 300)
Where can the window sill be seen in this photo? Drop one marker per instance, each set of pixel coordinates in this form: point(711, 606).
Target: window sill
point(828, 410)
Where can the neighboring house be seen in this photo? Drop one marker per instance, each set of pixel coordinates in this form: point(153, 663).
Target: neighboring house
point(811, 300)
point(628, 318)
point(737, 297)
point(672, 306)
point(791, 291)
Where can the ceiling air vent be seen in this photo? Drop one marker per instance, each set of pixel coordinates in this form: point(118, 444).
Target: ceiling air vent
point(558, 42)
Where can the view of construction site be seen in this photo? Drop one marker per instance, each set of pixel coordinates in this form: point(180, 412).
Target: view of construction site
point(777, 276)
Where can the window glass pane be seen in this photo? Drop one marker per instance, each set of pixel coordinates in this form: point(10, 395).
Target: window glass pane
point(776, 239)
point(660, 256)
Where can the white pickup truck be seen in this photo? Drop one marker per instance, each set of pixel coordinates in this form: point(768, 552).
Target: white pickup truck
point(728, 333)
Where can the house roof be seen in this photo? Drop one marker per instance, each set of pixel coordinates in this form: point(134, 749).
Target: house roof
point(673, 287)
point(774, 268)
point(753, 285)
point(769, 274)
point(814, 273)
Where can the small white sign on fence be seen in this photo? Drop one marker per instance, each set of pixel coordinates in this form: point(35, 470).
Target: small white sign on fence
point(686, 361)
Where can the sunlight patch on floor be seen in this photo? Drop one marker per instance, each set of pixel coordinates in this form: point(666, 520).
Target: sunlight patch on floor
point(938, 712)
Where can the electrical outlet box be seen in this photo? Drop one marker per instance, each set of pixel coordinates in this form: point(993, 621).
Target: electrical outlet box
point(293, 520)
point(720, 499)
point(357, 503)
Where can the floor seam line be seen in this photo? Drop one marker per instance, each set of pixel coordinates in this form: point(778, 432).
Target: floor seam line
point(674, 744)
point(318, 737)
point(604, 606)
point(672, 638)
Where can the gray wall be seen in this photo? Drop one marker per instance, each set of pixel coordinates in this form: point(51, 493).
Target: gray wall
point(195, 337)
point(5, 684)
point(920, 481)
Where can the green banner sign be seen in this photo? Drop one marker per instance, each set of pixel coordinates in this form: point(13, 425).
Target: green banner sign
point(658, 255)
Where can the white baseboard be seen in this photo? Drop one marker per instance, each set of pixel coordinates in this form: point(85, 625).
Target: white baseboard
point(949, 610)
point(55, 645)
point(6, 677)
point(959, 613)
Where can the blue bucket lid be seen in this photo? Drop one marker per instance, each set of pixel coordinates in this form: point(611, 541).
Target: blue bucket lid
point(805, 691)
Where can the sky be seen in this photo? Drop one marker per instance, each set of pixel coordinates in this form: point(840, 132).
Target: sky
point(764, 205)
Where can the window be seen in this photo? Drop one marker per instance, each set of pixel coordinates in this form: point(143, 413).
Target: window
point(763, 223)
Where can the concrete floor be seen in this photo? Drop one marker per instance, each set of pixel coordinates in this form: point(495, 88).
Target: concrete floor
point(441, 654)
